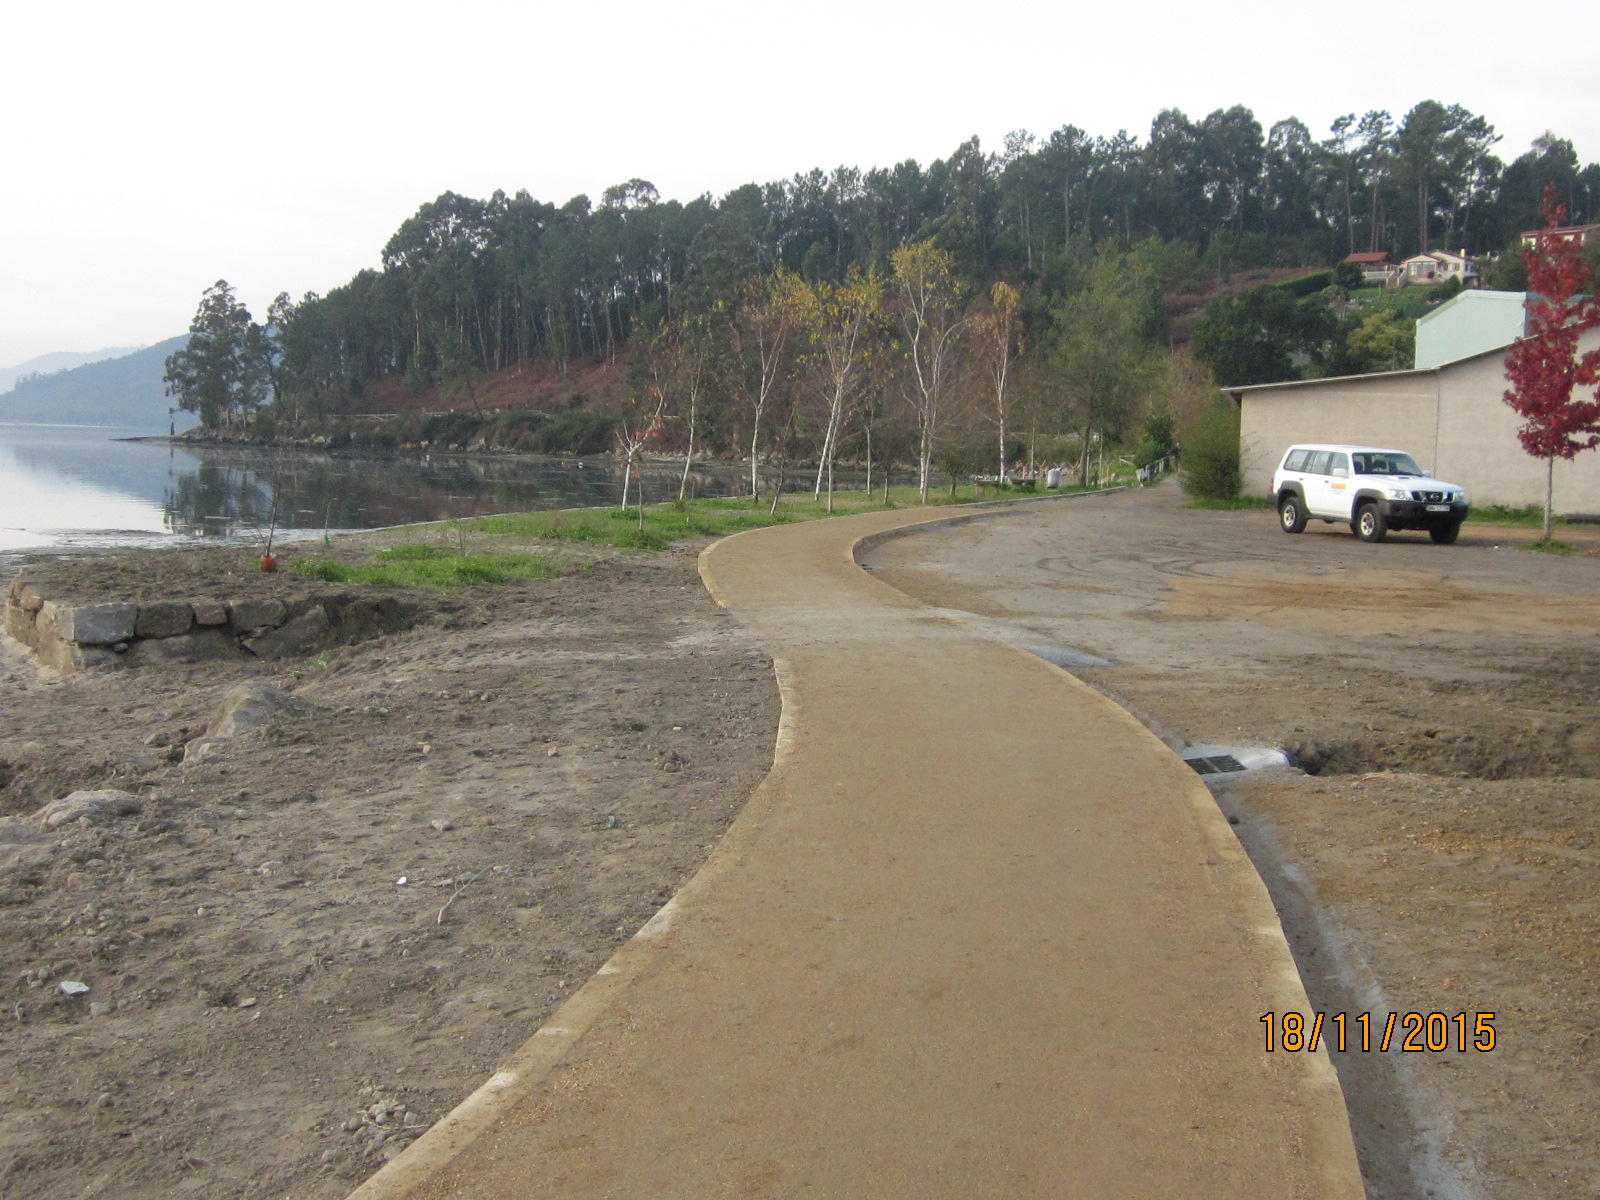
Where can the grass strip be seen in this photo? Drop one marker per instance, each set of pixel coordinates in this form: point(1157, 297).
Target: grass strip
point(1231, 504)
point(417, 565)
point(447, 564)
point(1530, 516)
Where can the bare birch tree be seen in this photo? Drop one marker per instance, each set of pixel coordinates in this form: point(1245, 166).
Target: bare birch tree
point(931, 321)
point(638, 424)
point(997, 333)
point(840, 321)
point(760, 332)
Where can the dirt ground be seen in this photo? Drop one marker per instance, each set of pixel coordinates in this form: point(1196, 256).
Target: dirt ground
point(271, 1013)
point(310, 943)
point(1436, 849)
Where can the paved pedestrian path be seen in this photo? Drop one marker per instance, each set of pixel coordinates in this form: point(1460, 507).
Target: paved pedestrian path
point(979, 934)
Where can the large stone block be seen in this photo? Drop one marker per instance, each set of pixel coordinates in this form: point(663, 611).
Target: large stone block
point(253, 705)
point(303, 635)
point(67, 657)
point(253, 617)
point(44, 625)
point(21, 624)
point(163, 619)
point(203, 645)
point(94, 624)
point(209, 612)
point(93, 807)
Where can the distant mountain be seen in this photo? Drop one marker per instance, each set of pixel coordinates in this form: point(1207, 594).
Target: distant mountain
point(126, 392)
point(61, 360)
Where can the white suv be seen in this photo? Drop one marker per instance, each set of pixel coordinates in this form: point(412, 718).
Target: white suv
point(1374, 489)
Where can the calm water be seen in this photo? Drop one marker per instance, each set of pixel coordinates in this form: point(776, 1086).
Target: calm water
point(73, 486)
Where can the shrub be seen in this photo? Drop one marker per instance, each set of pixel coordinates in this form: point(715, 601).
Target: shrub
point(1158, 440)
point(1347, 275)
point(1211, 468)
point(1308, 285)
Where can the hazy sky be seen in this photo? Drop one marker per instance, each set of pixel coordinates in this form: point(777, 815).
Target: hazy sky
point(150, 149)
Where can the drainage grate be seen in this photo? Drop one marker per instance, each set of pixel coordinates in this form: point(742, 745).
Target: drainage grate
point(1215, 764)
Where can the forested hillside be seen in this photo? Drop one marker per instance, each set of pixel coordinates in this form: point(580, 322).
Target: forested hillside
point(810, 314)
point(125, 391)
point(62, 360)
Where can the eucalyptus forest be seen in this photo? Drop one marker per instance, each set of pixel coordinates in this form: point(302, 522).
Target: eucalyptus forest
point(942, 317)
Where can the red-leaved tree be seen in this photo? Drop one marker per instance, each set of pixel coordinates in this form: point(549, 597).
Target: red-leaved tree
point(1545, 368)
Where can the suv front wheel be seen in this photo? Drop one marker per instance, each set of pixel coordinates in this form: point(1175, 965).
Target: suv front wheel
point(1292, 513)
point(1369, 523)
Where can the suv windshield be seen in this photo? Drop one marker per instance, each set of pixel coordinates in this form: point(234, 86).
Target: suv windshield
point(1389, 463)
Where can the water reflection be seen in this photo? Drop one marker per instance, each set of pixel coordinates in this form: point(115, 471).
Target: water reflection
point(229, 492)
point(66, 484)
point(78, 486)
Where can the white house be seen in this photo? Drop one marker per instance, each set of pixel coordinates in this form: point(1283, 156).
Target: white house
point(1438, 266)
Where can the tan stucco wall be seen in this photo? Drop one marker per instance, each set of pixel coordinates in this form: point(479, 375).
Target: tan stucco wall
point(1474, 444)
point(1375, 410)
point(1478, 445)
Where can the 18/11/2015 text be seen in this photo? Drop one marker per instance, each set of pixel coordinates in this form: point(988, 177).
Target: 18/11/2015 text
point(1418, 1032)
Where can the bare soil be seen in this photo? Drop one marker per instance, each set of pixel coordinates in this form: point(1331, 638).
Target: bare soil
point(309, 944)
point(536, 385)
point(1436, 848)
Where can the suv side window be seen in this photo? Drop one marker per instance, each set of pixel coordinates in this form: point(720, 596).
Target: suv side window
point(1341, 462)
point(1296, 460)
point(1318, 464)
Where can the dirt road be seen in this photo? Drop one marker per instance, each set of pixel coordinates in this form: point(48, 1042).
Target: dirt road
point(1437, 854)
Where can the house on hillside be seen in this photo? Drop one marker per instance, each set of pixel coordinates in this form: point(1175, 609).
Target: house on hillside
point(1438, 266)
point(1376, 269)
point(1584, 235)
point(1448, 412)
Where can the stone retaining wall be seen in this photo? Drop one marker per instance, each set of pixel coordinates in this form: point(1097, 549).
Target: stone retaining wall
point(72, 637)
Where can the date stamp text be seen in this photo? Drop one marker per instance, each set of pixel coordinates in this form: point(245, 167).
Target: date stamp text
point(1411, 1033)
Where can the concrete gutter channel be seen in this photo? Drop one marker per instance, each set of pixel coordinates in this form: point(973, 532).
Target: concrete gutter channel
point(1158, 1091)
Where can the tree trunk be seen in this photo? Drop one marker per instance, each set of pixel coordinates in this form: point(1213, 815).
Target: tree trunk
point(688, 458)
point(1422, 213)
point(755, 436)
point(924, 463)
point(1549, 493)
point(1066, 210)
point(822, 458)
point(1349, 212)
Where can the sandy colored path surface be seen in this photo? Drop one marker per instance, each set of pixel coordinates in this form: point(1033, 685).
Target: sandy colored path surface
point(978, 934)
point(1436, 854)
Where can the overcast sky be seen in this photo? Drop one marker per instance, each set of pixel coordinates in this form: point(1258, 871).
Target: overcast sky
point(150, 149)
